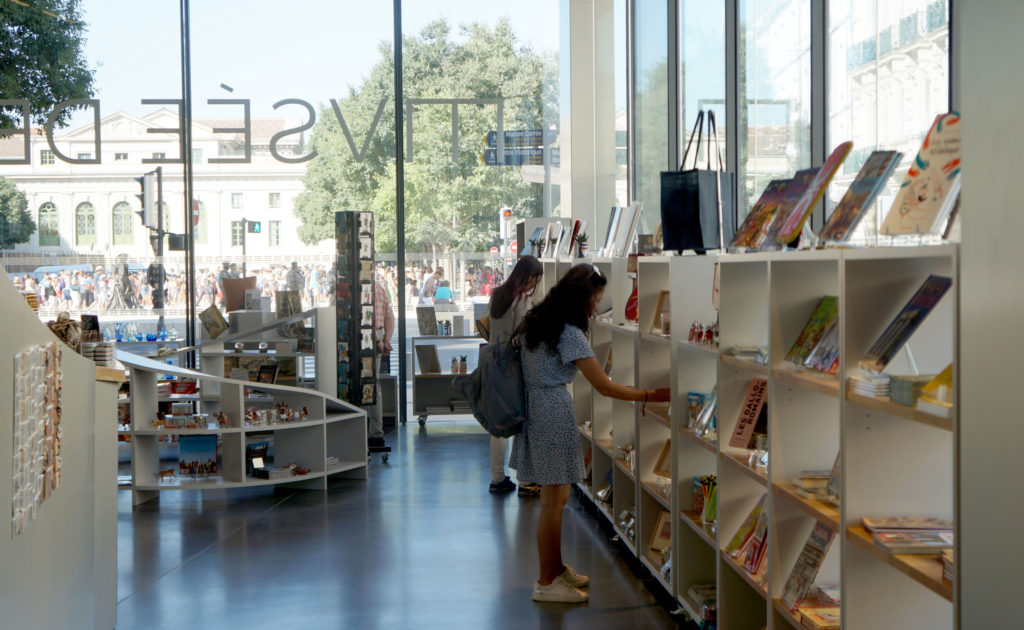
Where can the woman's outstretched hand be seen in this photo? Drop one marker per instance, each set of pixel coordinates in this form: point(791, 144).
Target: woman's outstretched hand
point(662, 394)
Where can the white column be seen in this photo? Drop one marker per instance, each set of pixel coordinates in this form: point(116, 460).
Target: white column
point(991, 432)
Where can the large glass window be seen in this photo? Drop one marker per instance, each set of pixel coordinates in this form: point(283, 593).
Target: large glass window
point(237, 233)
point(49, 225)
point(888, 80)
point(123, 220)
point(651, 101)
point(85, 224)
point(774, 84)
point(702, 68)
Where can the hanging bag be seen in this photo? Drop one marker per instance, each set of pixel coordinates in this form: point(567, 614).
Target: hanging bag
point(698, 206)
point(495, 390)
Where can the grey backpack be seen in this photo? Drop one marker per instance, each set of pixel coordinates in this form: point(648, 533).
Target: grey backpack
point(495, 389)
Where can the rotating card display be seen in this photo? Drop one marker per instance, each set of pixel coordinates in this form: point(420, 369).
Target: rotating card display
point(357, 367)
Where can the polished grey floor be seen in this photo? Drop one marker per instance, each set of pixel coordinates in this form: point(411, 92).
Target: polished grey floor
point(421, 544)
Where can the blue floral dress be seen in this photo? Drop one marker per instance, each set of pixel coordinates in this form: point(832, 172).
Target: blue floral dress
point(547, 452)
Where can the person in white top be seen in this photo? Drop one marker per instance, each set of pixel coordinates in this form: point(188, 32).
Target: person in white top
point(508, 305)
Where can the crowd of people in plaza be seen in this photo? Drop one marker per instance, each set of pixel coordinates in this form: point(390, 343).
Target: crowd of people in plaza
point(121, 287)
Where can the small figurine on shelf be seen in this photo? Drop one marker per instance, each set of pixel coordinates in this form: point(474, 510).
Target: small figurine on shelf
point(455, 365)
point(581, 244)
point(305, 413)
point(462, 364)
point(166, 474)
point(709, 336)
point(222, 419)
point(161, 420)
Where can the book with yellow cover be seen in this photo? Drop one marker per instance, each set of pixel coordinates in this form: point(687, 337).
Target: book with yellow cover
point(825, 618)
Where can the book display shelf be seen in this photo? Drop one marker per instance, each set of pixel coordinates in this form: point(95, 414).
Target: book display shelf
point(329, 438)
point(893, 459)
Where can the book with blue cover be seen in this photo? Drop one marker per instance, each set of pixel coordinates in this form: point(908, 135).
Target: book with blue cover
point(898, 332)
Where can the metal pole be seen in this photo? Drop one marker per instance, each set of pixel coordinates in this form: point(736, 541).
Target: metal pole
point(245, 229)
point(186, 156)
point(403, 378)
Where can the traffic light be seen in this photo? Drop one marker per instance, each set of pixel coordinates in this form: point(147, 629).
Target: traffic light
point(254, 227)
point(147, 200)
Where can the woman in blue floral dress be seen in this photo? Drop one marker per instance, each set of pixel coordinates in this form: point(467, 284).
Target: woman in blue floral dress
point(547, 452)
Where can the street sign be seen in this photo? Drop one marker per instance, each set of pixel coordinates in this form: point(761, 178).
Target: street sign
point(517, 138)
point(514, 246)
point(494, 250)
point(520, 157)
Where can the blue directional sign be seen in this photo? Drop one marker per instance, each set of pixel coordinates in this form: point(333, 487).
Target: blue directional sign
point(517, 138)
point(520, 157)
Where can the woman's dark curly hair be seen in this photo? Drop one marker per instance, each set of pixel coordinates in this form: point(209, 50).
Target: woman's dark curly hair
point(571, 301)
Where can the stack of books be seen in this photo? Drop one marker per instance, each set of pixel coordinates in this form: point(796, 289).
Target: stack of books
point(920, 535)
point(811, 484)
point(948, 565)
point(823, 618)
point(907, 389)
point(875, 386)
point(757, 354)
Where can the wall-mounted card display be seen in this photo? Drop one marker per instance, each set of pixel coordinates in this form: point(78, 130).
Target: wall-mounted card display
point(36, 461)
point(357, 367)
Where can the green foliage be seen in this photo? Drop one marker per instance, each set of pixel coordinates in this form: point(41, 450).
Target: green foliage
point(16, 224)
point(449, 205)
point(42, 58)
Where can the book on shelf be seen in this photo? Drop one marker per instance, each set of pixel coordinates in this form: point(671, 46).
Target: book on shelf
point(824, 357)
point(905, 523)
point(827, 594)
point(804, 572)
point(694, 404)
point(825, 313)
point(795, 191)
point(750, 234)
point(852, 207)
point(906, 389)
point(914, 541)
point(528, 247)
point(786, 227)
point(707, 414)
point(820, 618)
point(937, 394)
point(812, 479)
point(627, 228)
point(948, 564)
point(832, 489)
point(609, 236)
point(753, 414)
point(739, 541)
point(898, 332)
point(871, 385)
point(663, 467)
point(930, 188)
point(661, 535)
point(701, 594)
point(757, 545)
point(427, 358)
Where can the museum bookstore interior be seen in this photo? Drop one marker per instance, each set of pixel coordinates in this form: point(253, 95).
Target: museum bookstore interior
point(243, 283)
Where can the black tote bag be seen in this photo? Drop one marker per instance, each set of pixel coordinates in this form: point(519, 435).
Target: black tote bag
point(698, 206)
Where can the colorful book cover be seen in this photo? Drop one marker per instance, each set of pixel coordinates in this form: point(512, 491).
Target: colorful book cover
point(738, 543)
point(895, 523)
point(197, 455)
point(859, 196)
point(923, 201)
point(750, 232)
point(825, 356)
point(801, 183)
point(694, 403)
point(790, 226)
point(822, 317)
point(801, 578)
point(939, 390)
point(915, 541)
point(898, 332)
point(757, 548)
point(834, 482)
point(757, 391)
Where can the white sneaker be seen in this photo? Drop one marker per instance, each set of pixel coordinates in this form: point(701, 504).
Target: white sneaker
point(570, 577)
point(558, 591)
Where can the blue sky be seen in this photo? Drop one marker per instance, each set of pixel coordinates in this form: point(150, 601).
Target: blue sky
point(268, 50)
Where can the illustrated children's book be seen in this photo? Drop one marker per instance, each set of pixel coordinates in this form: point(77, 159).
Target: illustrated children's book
point(801, 578)
point(900, 329)
point(749, 235)
point(815, 328)
point(798, 186)
point(859, 196)
point(825, 356)
point(738, 543)
point(928, 192)
point(785, 229)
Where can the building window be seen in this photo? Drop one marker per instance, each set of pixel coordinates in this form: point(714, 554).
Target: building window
point(85, 224)
point(275, 233)
point(200, 230)
point(237, 233)
point(49, 223)
point(85, 156)
point(159, 156)
point(236, 200)
point(46, 157)
point(123, 221)
point(197, 156)
point(275, 200)
point(120, 157)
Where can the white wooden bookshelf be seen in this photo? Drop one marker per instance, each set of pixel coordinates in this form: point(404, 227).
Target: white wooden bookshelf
point(333, 429)
point(896, 460)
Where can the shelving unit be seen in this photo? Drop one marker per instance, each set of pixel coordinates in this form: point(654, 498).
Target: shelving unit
point(765, 300)
point(334, 429)
point(433, 394)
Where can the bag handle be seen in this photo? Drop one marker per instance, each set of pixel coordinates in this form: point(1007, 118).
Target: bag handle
point(713, 133)
point(698, 127)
